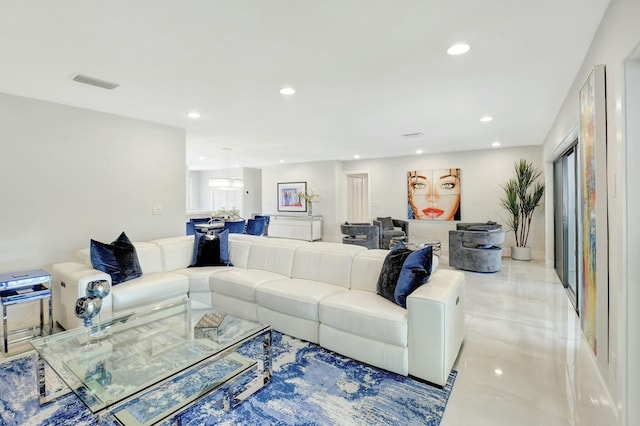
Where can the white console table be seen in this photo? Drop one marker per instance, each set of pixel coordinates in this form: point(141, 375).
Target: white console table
point(297, 227)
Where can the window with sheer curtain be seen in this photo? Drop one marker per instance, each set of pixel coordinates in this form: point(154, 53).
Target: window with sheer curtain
point(226, 199)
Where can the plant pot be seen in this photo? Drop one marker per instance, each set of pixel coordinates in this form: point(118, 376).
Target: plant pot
point(521, 253)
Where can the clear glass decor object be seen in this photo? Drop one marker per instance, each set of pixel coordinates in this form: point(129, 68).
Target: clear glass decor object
point(86, 308)
point(99, 289)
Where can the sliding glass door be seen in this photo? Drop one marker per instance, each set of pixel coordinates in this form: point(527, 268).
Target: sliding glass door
point(566, 222)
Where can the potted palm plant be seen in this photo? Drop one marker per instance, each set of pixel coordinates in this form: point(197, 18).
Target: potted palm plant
point(522, 194)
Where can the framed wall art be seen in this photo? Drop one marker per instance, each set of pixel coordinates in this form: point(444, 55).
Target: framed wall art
point(433, 194)
point(289, 197)
point(593, 191)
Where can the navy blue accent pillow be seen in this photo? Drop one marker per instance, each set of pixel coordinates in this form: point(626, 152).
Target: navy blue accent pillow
point(118, 259)
point(416, 271)
point(390, 271)
point(224, 246)
point(207, 250)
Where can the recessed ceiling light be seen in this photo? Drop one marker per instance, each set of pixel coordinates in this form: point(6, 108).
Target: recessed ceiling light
point(498, 372)
point(287, 91)
point(282, 161)
point(193, 114)
point(486, 119)
point(356, 156)
point(201, 158)
point(419, 151)
point(458, 49)
point(495, 144)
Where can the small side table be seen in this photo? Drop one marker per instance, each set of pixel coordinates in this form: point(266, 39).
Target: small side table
point(22, 287)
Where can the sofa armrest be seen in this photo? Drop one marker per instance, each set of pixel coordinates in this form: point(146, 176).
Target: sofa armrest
point(69, 282)
point(436, 326)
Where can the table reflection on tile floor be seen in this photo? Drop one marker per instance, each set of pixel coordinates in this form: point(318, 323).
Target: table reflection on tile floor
point(524, 360)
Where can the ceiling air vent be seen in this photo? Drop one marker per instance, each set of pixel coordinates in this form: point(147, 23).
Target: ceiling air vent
point(412, 135)
point(95, 82)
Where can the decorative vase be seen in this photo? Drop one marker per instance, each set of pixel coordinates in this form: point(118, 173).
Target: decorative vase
point(99, 289)
point(310, 209)
point(86, 308)
point(521, 253)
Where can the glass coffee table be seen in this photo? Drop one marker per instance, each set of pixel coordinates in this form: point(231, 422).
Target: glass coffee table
point(155, 363)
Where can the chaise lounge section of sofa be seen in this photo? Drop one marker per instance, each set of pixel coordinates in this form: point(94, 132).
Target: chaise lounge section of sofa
point(321, 292)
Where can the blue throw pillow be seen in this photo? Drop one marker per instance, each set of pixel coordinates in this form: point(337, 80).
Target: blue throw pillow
point(118, 259)
point(208, 249)
point(224, 246)
point(390, 271)
point(416, 271)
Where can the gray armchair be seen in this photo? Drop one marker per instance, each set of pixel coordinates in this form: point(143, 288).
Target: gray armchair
point(361, 234)
point(390, 228)
point(476, 247)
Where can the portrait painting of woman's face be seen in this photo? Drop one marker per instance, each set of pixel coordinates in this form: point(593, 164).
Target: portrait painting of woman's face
point(434, 194)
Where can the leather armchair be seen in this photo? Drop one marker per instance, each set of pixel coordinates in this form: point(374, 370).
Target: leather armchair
point(361, 234)
point(476, 247)
point(389, 228)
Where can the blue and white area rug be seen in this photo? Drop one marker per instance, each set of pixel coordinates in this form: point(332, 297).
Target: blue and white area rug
point(310, 386)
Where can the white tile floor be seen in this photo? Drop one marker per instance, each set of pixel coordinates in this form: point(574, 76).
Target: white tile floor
point(519, 321)
point(524, 360)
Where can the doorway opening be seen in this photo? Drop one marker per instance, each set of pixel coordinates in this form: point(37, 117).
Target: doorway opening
point(358, 197)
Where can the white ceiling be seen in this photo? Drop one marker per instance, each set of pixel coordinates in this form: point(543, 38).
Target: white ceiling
point(365, 71)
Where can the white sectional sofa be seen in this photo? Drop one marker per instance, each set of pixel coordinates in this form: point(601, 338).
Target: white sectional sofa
point(321, 292)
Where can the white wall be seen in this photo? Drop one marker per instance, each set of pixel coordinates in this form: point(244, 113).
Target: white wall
point(69, 174)
point(617, 37)
point(482, 173)
point(252, 194)
point(631, 293)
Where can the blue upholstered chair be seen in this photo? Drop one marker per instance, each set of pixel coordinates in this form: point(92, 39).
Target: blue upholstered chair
point(192, 222)
point(266, 222)
point(255, 226)
point(190, 228)
point(235, 226)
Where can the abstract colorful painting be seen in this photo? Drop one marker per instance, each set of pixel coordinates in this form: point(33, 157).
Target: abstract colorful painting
point(433, 194)
point(289, 197)
point(592, 122)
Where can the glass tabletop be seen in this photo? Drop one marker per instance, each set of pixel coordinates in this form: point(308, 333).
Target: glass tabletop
point(143, 349)
point(418, 242)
